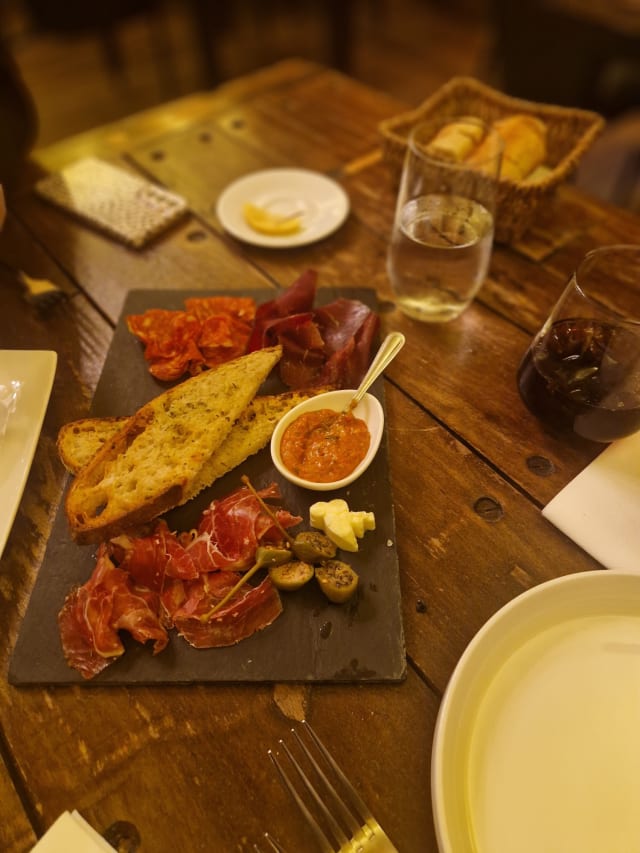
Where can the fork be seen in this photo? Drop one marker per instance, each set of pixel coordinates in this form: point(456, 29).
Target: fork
point(272, 845)
point(38, 291)
point(346, 819)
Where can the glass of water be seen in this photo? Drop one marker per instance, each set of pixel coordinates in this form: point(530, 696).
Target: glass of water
point(442, 233)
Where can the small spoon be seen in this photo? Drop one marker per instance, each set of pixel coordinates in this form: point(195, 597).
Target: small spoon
point(389, 349)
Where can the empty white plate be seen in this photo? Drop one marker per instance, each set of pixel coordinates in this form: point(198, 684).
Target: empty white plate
point(320, 202)
point(537, 744)
point(34, 371)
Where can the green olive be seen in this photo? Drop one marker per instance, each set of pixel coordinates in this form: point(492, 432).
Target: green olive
point(313, 547)
point(337, 580)
point(268, 556)
point(291, 575)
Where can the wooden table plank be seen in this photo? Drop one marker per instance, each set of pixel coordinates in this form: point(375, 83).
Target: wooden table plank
point(468, 546)
point(120, 136)
point(191, 257)
point(320, 123)
point(202, 754)
point(475, 361)
point(16, 833)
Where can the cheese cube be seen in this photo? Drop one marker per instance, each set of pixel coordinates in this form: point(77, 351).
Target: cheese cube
point(337, 526)
point(361, 521)
point(319, 509)
point(341, 525)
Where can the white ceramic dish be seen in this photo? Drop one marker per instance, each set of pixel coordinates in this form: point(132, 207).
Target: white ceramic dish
point(369, 409)
point(34, 370)
point(321, 202)
point(537, 742)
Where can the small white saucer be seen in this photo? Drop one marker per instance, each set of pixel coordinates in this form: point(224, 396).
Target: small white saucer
point(321, 203)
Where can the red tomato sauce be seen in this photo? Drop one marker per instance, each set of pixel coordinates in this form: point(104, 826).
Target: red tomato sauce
point(324, 445)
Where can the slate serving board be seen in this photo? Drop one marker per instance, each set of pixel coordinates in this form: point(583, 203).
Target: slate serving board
point(313, 640)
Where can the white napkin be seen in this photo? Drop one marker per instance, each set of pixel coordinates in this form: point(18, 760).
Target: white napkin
point(72, 834)
point(600, 508)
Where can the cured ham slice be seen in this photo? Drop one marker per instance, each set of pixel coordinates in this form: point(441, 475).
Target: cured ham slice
point(328, 345)
point(231, 529)
point(184, 598)
point(227, 536)
point(148, 584)
point(149, 559)
point(93, 614)
point(251, 610)
point(349, 329)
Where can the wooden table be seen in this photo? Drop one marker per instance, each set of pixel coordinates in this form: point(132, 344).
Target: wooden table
point(470, 471)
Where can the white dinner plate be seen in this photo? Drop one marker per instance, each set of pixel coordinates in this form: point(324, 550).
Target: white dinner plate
point(34, 370)
point(321, 203)
point(537, 743)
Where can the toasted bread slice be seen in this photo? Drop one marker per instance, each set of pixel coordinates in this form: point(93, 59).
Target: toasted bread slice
point(151, 464)
point(79, 441)
point(251, 432)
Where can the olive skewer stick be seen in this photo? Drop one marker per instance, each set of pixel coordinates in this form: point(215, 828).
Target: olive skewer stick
point(264, 557)
point(265, 506)
point(305, 551)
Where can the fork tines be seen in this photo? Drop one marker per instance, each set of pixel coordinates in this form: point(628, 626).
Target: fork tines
point(272, 844)
point(340, 821)
point(40, 291)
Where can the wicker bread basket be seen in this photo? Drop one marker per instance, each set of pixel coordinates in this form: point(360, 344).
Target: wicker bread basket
point(570, 132)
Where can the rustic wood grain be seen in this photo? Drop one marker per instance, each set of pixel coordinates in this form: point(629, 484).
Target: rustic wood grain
point(468, 541)
point(470, 469)
point(191, 257)
point(16, 832)
point(120, 136)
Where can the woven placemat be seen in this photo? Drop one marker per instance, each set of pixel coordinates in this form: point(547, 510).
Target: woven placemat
point(118, 203)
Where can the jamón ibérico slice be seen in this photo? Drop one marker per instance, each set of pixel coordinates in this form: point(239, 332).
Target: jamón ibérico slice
point(231, 529)
point(250, 610)
point(92, 615)
point(77, 639)
point(148, 584)
point(184, 598)
point(149, 559)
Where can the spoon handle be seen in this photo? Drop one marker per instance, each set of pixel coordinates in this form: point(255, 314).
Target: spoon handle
point(389, 348)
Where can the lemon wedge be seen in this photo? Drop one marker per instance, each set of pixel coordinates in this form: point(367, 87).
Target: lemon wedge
point(268, 223)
